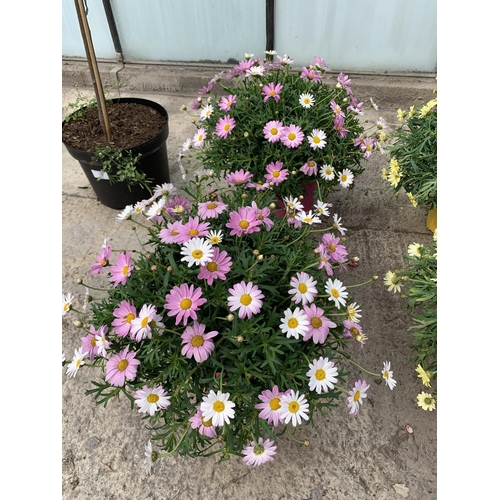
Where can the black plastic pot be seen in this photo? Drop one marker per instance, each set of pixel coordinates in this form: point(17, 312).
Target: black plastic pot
point(153, 162)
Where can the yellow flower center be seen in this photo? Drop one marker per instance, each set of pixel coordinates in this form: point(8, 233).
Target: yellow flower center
point(200, 138)
point(293, 323)
point(211, 206)
point(129, 317)
point(354, 331)
point(302, 288)
point(343, 178)
point(125, 270)
point(332, 247)
point(152, 398)
point(246, 299)
point(122, 365)
point(307, 220)
point(66, 306)
point(386, 374)
point(102, 262)
point(78, 362)
point(307, 100)
point(320, 374)
point(274, 404)
point(197, 254)
point(227, 127)
point(311, 164)
point(316, 322)
point(193, 232)
point(212, 267)
point(316, 140)
point(244, 224)
point(274, 131)
point(335, 293)
point(276, 174)
point(328, 171)
point(273, 92)
point(206, 423)
point(197, 341)
point(357, 395)
point(291, 136)
point(218, 406)
point(185, 304)
point(293, 407)
point(144, 321)
point(93, 341)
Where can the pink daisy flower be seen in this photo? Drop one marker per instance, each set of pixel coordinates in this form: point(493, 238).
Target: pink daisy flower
point(337, 109)
point(353, 330)
point(205, 427)
point(140, 326)
point(102, 260)
point(262, 215)
point(121, 366)
point(272, 90)
point(227, 102)
point(338, 125)
point(89, 343)
point(151, 400)
point(303, 288)
point(356, 396)
point(177, 206)
point(324, 262)
point(183, 302)
point(121, 271)
point(259, 186)
point(211, 209)
point(319, 325)
point(272, 130)
point(238, 177)
point(244, 221)
point(199, 138)
point(191, 229)
point(224, 126)
point(344, 80)
point(367, 147)
point(276, 173)
point(310, 74)
point(292, 136)
point(337, 252)
point(124, 314)
point(197, 342)
point(246, 298)
point(217, 268)
point(172, 233)
point(260, 453)
point(310, 167)
point(355, 106)
point(270, 406)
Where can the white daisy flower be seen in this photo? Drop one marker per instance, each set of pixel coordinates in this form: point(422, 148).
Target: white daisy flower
point(187, 144)
point(126, 213)
point(346, 178)
point(197, 251)
point(356, 396)
point(336, 292)
point(337, 225)
point(165, 189)
point(327, 172)
point(387, 375)
point(270, 52)
point(206, 112)
point(294, 323)
point(156, 209)
point(66, 303)
point(248, 56)
point(217, 407)
point(139, 207)
point(76, 362)
point(353, 312)
point(415, 250)
point(293, 203)
point(151, 400)
point(255, 71)
point(151, 457)
point(322, 208)
point(306, 100)
point(322, 373)
point(285, 60)
point(215, 237)
point(317, 139)
point(391, 280)
point(303, 289)
point(308, 217)
point(294, 407)
point(373, 104)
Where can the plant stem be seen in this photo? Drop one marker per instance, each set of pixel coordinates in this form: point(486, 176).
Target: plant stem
point(364, 369)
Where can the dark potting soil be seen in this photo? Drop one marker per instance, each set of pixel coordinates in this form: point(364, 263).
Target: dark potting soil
point(130, 123)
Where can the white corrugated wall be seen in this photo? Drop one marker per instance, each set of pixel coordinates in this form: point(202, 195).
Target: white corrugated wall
point(355, 35)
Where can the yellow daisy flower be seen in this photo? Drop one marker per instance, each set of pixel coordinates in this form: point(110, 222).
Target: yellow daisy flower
point(412, 199)
point(426, 401)
point(411, 112)
point(426, 109)
point(401, 115)
point(425, 376)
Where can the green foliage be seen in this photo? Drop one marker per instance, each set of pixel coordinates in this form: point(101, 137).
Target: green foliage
point(413, 164)
point(121, 165)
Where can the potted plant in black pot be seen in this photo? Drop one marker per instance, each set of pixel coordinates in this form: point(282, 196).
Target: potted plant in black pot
point(120, 143)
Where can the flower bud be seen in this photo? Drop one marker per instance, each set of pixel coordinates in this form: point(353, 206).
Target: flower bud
point(193, 120)
point(183, 107)
point(244, 195)
point(339, 85)
point(170, 269)
point(230, 317)
point(294, 172)
point(240, 339)
point(374, 278)
point(198, 184)
point(246, 134)
point(272, 206)
point(78, 323)
point(301, 196)
point(79, 281)
point(199, 99)
point(256, 252)
point(153, 268)
point(343, 239)
point(261, 85)
point(306, 442)
point(260, 257)
point(148, 256)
